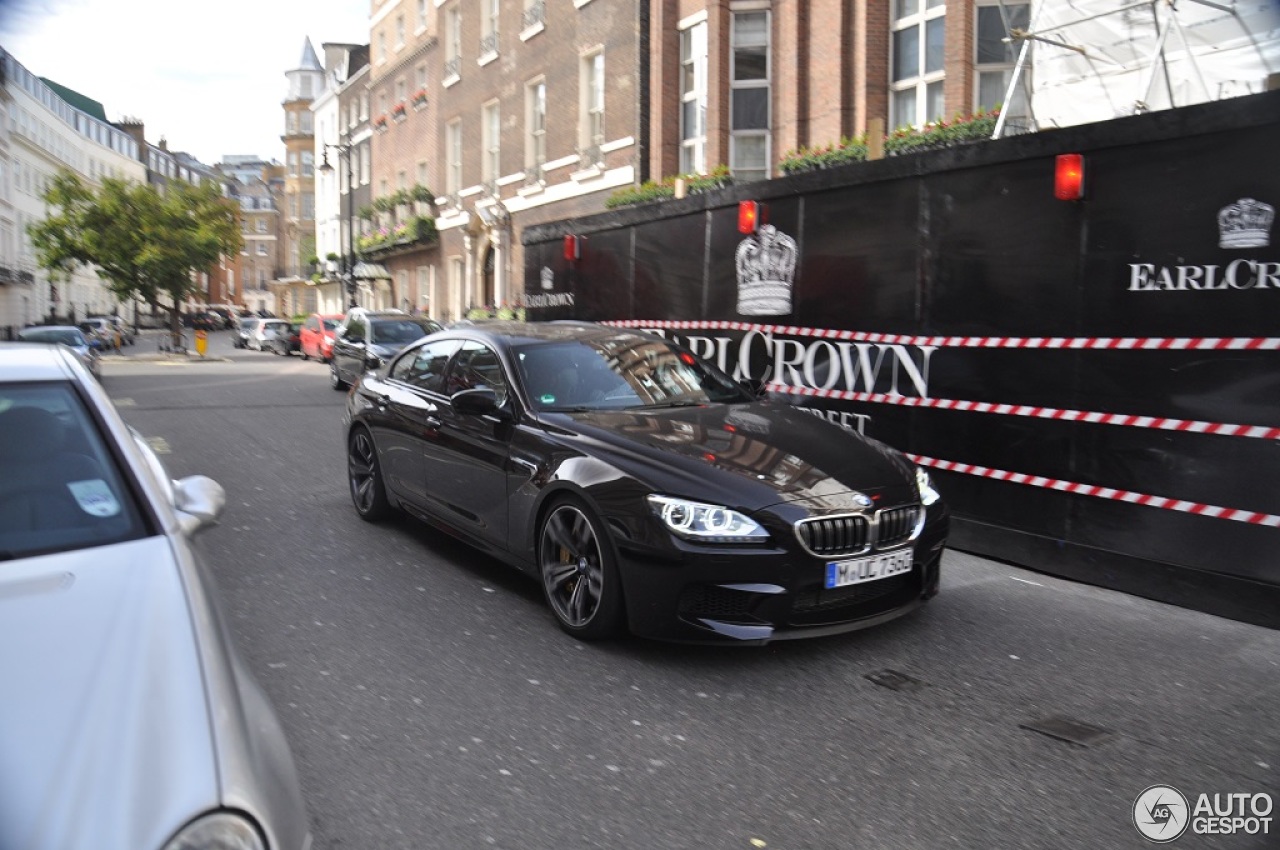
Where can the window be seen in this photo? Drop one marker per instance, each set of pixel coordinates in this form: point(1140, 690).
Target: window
point(424, 367)
point(308, 125)
point(452, 43)
point(693, 99)
point(591, 133)
point(422, 173)
point(917, 62)
point(749, 96)
point(453, 157)
point(422, 14)
point(477, 366)
point(308, 163)
point(489, 36)
point(399, 31)
point(262, 249)
point(994, 60)
point(262, 225)
point(535, 153)
point(491, 129)
point(382, 46)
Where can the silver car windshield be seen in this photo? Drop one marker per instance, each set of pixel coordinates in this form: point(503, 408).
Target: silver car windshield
point(628, 372)
point(61, 489)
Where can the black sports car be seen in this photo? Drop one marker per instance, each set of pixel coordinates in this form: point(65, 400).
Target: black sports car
point(645, 489)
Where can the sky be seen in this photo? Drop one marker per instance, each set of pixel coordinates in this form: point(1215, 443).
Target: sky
point(208, 77)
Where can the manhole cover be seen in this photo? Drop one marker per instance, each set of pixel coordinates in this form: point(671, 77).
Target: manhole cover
point(895, 681)
point(1066, 729)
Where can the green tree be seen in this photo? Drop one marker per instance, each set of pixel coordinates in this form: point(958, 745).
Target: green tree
point(141, 242)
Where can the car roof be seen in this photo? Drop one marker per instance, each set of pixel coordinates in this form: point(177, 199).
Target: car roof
point(25, 361)
point(524, 333)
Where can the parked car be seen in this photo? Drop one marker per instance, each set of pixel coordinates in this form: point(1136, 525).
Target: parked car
point(286, 341)
point(228, 318)
point(368, 338)
point(110, 329)
point(70, 336)
point(264, 332)
point(643, 488)
point(128, 718)
point(247, 326)
point(317, 335)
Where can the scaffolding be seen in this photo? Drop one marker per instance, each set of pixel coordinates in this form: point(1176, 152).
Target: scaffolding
point(1100, 59)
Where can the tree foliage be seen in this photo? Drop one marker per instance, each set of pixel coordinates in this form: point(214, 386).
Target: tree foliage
point(142, 242)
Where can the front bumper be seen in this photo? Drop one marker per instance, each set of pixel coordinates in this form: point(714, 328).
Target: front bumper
point(761, 594)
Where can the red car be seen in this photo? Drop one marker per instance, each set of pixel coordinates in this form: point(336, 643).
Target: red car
point(316, 337)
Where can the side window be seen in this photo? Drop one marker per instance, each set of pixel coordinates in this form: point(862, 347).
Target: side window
point(312, 324)
point(356, 331)
point(424, 366)
point(478, 365)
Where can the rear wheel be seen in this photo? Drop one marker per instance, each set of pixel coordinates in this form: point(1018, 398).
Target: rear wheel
point(335, 380)
point(579, 573)
point(365, 477)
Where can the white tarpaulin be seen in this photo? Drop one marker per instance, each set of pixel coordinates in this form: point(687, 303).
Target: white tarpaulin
point(1119, 57)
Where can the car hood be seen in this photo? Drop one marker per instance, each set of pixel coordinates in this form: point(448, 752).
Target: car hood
point(751, 455)
point(105, 734)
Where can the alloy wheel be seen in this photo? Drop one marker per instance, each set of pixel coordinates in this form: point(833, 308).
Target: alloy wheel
point(362, 473)
point(578, 575)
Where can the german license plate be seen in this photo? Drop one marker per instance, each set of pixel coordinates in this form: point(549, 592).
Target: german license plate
point(871, 568)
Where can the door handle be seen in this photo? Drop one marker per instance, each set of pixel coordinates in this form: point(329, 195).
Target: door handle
point(433, 422)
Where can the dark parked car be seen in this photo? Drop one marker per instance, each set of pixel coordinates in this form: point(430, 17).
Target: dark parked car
point(286, 342)
point(368, 338)
point(645, 489)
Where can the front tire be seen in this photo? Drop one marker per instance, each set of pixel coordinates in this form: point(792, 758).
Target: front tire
point(579, 572)
point(365, 477)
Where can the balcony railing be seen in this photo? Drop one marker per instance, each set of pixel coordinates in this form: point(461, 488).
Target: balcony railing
point(489, 44)
point(590, 156)
point(452, 67)
point(535, 15)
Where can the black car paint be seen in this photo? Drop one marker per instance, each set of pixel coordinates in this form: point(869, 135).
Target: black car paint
point(489, 479)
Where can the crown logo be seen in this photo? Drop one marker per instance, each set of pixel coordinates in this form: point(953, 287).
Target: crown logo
point(1245, 224)
point(766, 263)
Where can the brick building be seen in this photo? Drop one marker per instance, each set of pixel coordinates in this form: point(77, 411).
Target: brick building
point(510, 113)
point(740, 83)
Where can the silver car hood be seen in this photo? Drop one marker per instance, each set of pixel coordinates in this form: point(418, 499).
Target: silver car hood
point(105, 736)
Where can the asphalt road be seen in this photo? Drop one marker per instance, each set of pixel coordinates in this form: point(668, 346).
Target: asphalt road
point(431, 702)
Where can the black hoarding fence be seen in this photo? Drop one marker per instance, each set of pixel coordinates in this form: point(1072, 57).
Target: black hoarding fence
point(1094, 383)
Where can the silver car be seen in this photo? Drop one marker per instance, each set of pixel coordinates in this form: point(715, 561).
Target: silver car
point(128, 719)
point(70, 336)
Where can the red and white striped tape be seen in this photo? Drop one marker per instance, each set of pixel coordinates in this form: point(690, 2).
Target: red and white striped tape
point(1197, 508)
point(1193, 426)
point(1072, 343)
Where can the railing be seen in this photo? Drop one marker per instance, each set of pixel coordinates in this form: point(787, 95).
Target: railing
point(590, 156)
point(535, 15)
point(489, 44)
point(452, 67)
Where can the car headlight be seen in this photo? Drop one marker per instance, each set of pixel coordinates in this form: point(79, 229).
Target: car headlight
point(928, 495)
point(706, 523)
point(217, 831)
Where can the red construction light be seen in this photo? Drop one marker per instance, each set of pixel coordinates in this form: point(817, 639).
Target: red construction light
point(750, 216)
point(1068, 177)
point(572, 248)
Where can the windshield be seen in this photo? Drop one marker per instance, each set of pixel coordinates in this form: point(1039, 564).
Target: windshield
point(331, 324)
point(66, 336)
point(627, 372)
point(399, 330)
point(61, 489)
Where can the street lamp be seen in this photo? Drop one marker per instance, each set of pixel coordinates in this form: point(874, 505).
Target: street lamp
point(348, 271)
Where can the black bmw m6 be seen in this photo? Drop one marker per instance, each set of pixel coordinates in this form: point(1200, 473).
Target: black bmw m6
point(646, 490)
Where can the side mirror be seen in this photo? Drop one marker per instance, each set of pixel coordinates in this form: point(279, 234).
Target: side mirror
point(475, 402)
point(199, 500)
